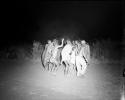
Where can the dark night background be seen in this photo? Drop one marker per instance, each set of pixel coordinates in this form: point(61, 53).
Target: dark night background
point(22, 75)
point(40, 20)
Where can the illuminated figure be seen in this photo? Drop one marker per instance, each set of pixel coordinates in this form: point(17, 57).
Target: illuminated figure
point(54, 59)
point(81, 61)
point(47, 54)
point(80, 64)
point(66, 52)
point(73, 59)
point(43, 54)
point(85, 51)
point(73, 55)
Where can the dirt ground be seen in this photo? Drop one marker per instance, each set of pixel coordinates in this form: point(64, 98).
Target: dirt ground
point(26, 80)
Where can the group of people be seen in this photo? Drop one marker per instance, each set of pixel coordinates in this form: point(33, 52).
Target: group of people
point(68, 54)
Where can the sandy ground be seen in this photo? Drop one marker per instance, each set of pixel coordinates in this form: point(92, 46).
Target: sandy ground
point(26, 80)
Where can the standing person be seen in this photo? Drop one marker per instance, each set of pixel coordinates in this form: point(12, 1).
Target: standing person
point(48, 53)
point(78, 45)
point(44, 53)
point(81, 63)
point(53, 58)
point(66, 56)
point(85, 51)
point(73, 59)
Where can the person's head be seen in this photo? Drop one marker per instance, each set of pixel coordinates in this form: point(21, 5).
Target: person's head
point(55, 42)
point(49, 41)
point(73, 42)
point(76, 42)
point(83, 42)
point(68, 42)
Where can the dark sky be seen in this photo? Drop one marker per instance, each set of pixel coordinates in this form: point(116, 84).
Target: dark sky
point(33, 20)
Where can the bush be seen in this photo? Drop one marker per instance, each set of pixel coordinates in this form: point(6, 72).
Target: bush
point(104, 50)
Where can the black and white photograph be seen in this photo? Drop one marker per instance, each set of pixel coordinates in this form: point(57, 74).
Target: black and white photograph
point(62, 50)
